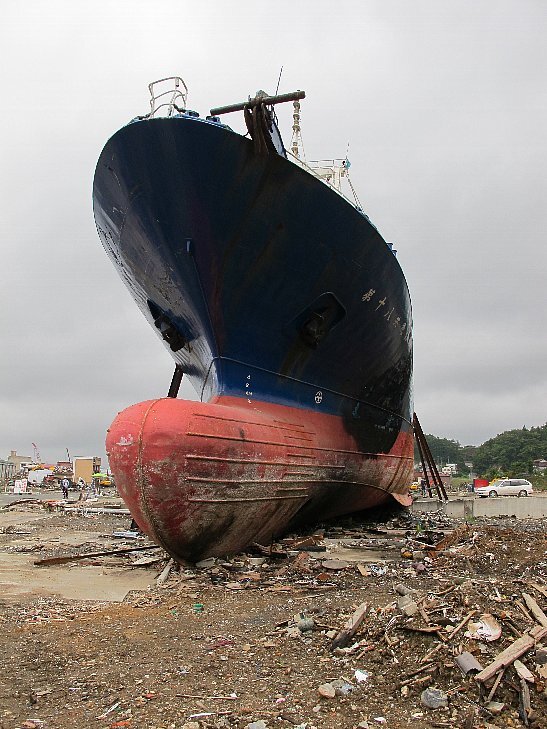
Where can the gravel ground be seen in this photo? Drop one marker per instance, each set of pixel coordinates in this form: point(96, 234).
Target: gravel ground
point(241, 643)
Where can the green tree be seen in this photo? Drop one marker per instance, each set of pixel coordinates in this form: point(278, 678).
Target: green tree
point(443, 450)
point(512, 452)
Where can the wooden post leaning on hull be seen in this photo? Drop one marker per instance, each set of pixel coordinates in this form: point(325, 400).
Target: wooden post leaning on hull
point(427, 461)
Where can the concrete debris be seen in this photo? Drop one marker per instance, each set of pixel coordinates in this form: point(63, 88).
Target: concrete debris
point(305, 624)
point(327, 690)
point(434, 698)
point(495, 707)
point(407, 606)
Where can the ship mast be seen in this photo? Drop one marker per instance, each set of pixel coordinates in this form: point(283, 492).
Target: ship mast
point(297, 145)
point(330, 171)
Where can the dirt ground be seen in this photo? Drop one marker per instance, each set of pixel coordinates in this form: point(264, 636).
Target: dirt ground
point(249, 641)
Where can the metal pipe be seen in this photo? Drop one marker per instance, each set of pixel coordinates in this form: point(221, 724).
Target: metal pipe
point(268, 100)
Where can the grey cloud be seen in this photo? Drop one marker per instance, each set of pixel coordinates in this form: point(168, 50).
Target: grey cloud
point(444, 107)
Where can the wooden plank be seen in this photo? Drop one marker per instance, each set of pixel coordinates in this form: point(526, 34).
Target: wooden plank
point(350, 628)
point(538, 587)
point(73, 557)
point(537, 632)
point(525, 706)
point(535, 609)
point(165, 573)
point(518, 648)
point(495, 686)
point(523, 672)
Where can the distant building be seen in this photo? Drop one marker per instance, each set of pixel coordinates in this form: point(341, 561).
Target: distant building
point(84, 467)
point(540, 464)
point(7, 470)
point(446, 478)
point(19, 462)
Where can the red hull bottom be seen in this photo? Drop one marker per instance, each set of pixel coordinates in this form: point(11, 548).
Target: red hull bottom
point(208, 479)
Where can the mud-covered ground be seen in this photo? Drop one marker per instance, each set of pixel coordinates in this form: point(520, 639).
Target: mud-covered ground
point(241, 642)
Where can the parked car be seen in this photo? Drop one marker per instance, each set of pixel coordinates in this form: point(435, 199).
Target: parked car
point(506, 487)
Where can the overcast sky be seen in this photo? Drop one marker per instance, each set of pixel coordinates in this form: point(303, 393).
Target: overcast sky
point(444, 107)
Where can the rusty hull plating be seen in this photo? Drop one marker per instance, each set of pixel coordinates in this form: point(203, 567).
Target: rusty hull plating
point(208, 479)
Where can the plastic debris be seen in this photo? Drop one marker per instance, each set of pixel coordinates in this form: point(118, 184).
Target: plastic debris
point(486, 628)
point(341, 687)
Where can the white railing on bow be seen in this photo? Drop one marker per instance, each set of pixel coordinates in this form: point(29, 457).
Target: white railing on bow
point(169, 94)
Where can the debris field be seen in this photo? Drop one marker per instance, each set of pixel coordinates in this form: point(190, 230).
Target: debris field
point(413, 621)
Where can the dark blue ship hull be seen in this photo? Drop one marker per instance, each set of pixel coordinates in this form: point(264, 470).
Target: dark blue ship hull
point(271, 286)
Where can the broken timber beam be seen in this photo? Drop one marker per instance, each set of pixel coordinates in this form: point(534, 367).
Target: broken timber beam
point(511, 653)
point(350, 628)
point(535, 609)
point(165, 572)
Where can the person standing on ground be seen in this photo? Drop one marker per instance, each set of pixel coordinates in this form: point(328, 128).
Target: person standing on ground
point(64, 487)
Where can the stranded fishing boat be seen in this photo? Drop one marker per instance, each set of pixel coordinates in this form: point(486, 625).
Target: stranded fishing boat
point(284, 307)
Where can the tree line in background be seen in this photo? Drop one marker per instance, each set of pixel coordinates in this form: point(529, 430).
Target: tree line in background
point(508, 454)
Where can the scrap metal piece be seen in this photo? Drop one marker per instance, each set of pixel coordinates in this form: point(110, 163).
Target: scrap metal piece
point(467, 663)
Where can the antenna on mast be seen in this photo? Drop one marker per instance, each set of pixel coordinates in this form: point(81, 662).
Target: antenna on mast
point(279, 80)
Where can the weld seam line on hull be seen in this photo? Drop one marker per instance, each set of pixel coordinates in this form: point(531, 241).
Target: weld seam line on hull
point(242, 461)
point(250, 422)
point(237, 501)
point(237, 481)
point(312, 385)
point(312, 467)
point(290, 488)
point(332, 482)
point(296, 445)
point(285, 425)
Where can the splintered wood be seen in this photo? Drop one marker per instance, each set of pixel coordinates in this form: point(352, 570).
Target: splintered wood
point(350, 628)
point(511, 653)
point(535, 609)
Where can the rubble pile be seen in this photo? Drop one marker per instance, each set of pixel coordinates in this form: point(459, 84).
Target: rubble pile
point(415, 621)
